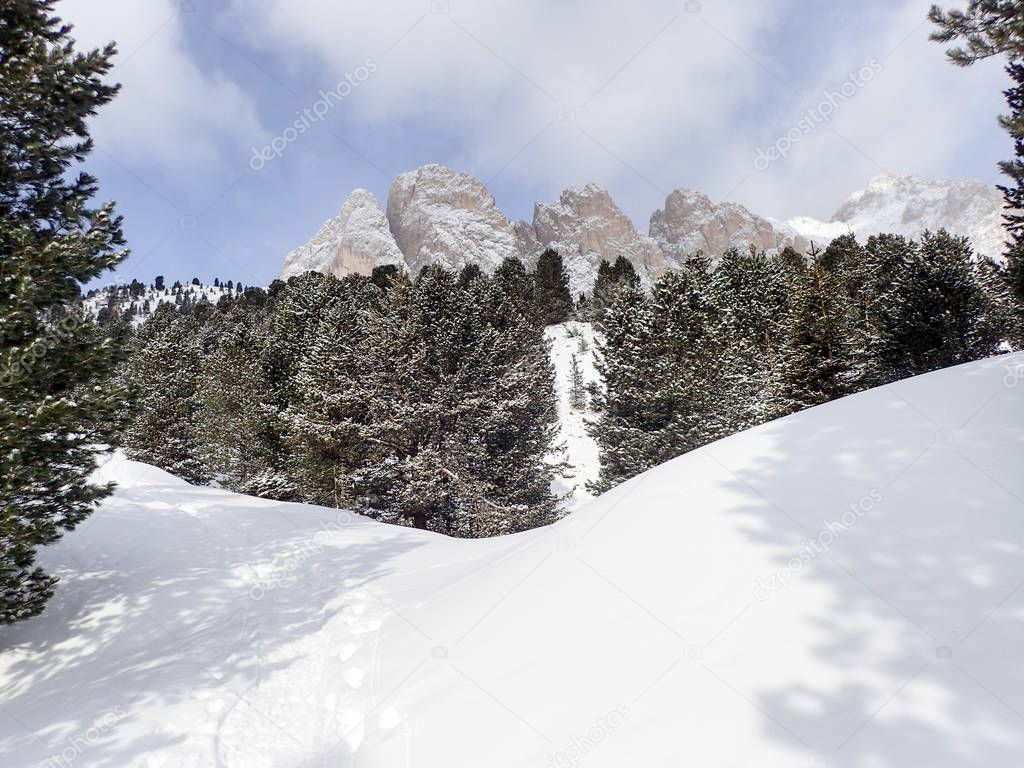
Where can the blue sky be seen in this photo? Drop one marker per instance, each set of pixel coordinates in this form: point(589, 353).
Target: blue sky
point(529, 96)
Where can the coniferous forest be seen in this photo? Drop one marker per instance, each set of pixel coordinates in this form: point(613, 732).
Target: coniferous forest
point(430, 401)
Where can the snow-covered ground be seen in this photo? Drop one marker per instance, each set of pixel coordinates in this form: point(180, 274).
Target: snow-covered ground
point(581, 453)
point(680, 619)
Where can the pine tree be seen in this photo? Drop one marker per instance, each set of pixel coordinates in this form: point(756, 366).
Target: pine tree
point(469, 273)
point(517, 289)
point(54, 406)
point(610, 278)
point(1004, 313)
point(577, 385)
point(582, 311)
point(162, 374)
point(750, 292)
point(437, 408)
point(1013, 193)
point(996, 28)
point(691, 347)
point(236, 415)
point(819, 359)
point(661, 364)
point(554, 299)
point(520, 421)
point(327, 388)
point(622, 424)
point(384, 275)
point(843, 253)
point(929, 309)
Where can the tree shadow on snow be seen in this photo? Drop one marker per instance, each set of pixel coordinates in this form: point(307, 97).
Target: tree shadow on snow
point(916, 658)
point(175, 598)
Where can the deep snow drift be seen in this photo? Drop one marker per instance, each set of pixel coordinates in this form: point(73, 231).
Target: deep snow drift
point(681, 619)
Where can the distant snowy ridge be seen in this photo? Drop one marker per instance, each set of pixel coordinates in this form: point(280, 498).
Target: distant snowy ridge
point(909, 205)
point(435, 215)
point(138, 301)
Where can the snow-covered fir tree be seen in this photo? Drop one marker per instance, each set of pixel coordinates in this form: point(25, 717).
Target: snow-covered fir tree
point(56, 405)
point(660, 361)
point(163, 374)
point(988, 28)
point(610, 278)
point(554, 299)
point(236, 416)
point(331, 386)
point(460, 405)
point(926, 306)
point(750, 291)
point(623, 427)
point(577, 385)
point(820, 359)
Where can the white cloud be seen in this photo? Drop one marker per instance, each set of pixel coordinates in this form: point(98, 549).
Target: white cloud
point(919, 114)
point(650, 84)
point(171, 114)
point(663, 98)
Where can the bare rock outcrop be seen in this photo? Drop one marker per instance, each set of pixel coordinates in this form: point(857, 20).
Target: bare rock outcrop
point(586, 226)
point(690, 222)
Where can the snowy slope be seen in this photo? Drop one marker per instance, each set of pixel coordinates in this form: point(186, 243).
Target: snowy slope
point(119, 299)
point(659, 625)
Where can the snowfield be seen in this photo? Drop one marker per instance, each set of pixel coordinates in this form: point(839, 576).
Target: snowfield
point(842, 587)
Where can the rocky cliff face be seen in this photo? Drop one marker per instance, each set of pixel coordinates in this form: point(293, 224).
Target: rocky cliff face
point(586, 226)
point(690, 222)
point(354, 241)
point(439, 216)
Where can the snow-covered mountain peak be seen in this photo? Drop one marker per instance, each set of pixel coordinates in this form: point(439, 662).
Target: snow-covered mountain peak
point(355, 241)
point(438, 215)
point(586, 226)
point(577, 203)
point(911, 197)
point(908, 205)
point(583, 194)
